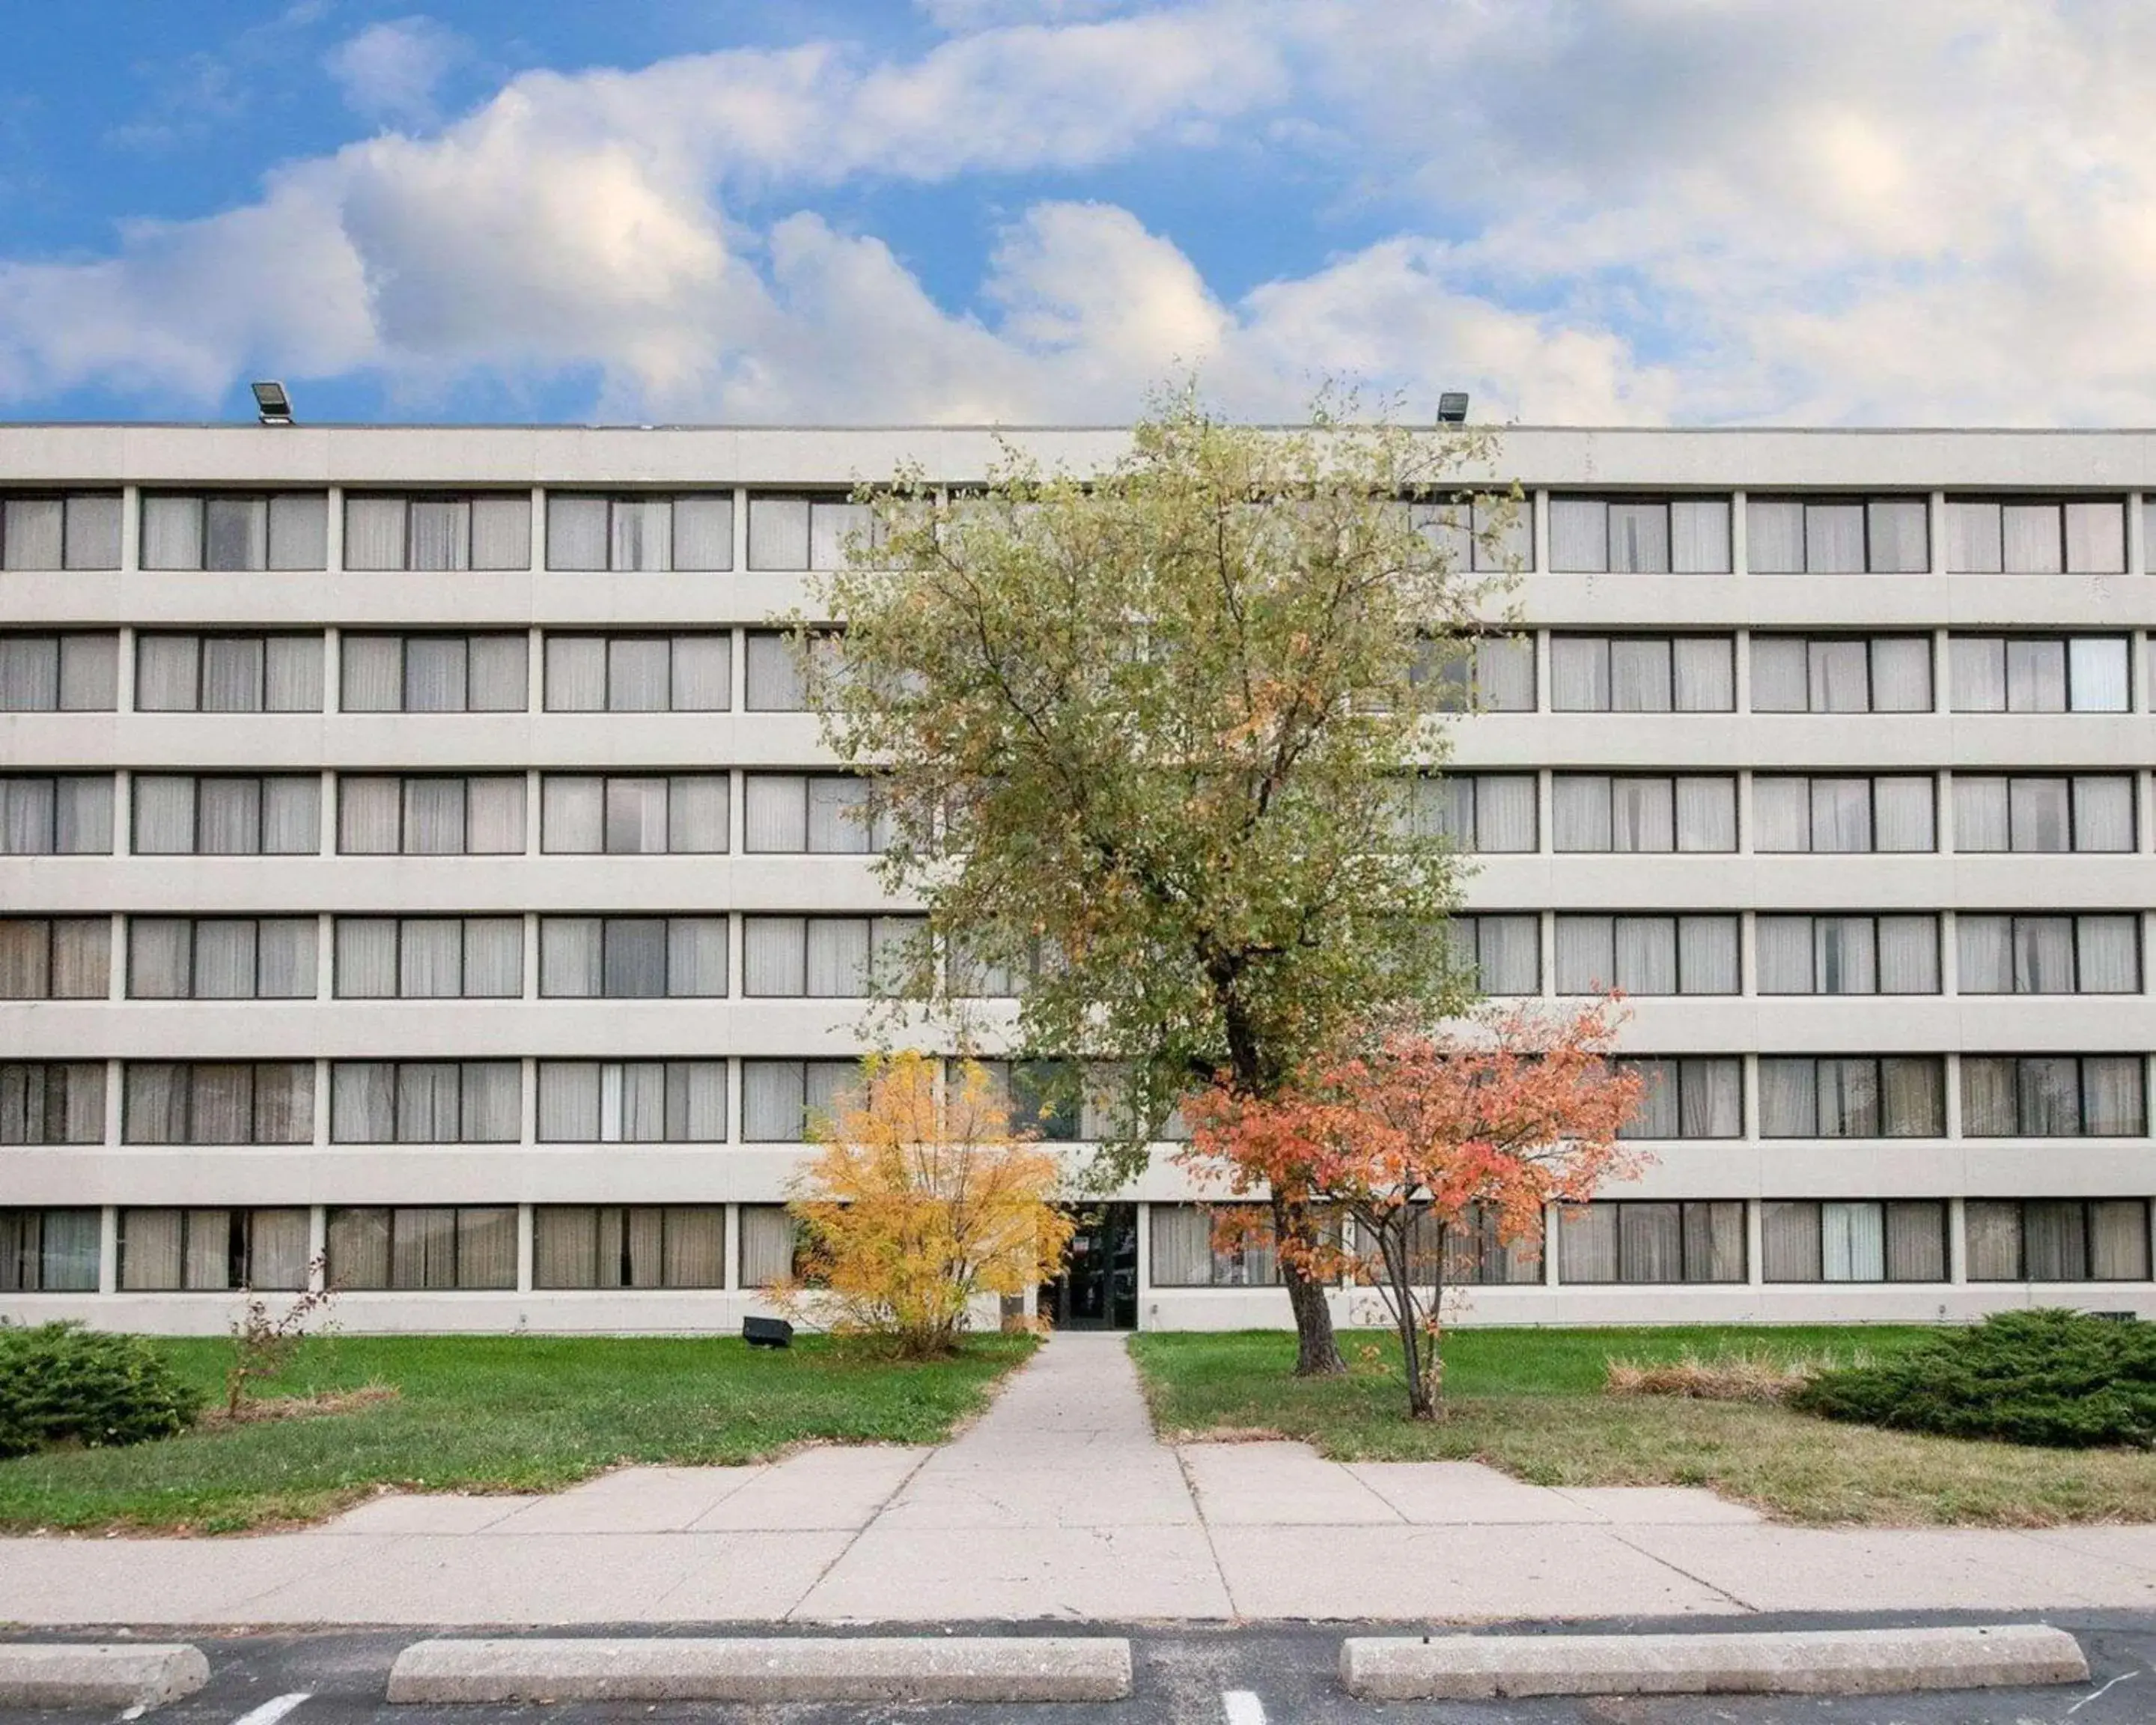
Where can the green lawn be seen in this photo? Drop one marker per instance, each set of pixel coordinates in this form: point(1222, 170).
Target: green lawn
point(494, 1413)
point(1529, 1402)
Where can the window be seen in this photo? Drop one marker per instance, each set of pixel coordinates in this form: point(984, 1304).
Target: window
point(221, 958)
point(430, 816)
point(815, 812)
point(639, 674)
point(1493, 674)
point(1501, 955)
point(415, 1248)
point(1642, 674)
point(1646, 955)
point(2052, 1097)
point(1862, 1241)
point(1470, 530)
point(52, 1102)
point(770, 1245)
point(429, 957)
point(219, 1102)
point(168, 1252)
point(1823, 815)
point(1213, 1246)
point(1471, 1252)
point(59, 815)
point(1040, 1097)
point(1701, 1097)
point(1486, 813)
point(223, 531)
point(807, 532)
point(433, 673)
point(431, 531)
point(79, 530)
point(777, 1097)
point(1633, 1242)
point(1820, 535)
point(692, 534)
point(2027, 812)
point(973, 975)
point(426, 1101)
point(632, 1101)
point(628, 1247)
point(774, 672)
point(1841, 674)
point(1640, 536)
point(1900, 1096)
point(1989, 536)
point(827, 957)
point(1596, 811)
point(1848, 955)
point(228, 673)
point(48, 1251)
point(632, 957)
point(59, 673)
point(2049, 955)
point(2057, 1239)
point(2039, 673)
point(686, 814)
point(55, 957)
point(183, 815)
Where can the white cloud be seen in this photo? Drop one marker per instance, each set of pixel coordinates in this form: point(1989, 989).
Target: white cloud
point(390, 71)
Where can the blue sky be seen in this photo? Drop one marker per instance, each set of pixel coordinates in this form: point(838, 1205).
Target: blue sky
point(1598, 211)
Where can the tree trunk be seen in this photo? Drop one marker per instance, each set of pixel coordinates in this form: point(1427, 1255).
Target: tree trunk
point(1316, 1353)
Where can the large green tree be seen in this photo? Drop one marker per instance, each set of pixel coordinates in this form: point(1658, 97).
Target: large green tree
point(1144, 737)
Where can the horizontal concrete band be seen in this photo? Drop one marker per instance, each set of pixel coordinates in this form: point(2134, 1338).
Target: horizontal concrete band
point(1795, 1662)
point(895, 1669)
point(70, 1675)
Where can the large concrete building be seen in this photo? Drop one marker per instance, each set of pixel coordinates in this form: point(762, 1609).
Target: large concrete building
point(411, 849)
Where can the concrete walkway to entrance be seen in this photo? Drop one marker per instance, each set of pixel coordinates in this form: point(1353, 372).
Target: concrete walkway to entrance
point(1059, 1503)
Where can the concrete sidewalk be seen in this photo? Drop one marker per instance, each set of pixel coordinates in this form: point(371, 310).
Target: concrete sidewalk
point(1059, 1503)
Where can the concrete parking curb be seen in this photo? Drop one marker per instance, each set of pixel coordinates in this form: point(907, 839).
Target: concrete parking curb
point(1469, 1667)
point(896, 1669)
point(59, 1674)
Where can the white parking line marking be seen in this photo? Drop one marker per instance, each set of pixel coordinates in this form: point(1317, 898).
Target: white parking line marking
point(1242, 1707)
point(270, 1712)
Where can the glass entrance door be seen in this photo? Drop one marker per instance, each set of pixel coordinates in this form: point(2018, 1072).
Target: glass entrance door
point(1098, 1288)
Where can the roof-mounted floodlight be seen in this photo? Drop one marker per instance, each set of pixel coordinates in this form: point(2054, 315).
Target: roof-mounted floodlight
point(275, 406)
point(1452, 407)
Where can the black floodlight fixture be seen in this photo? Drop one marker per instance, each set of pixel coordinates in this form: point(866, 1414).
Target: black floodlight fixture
point(767, 1332)
point(272, 404)
point(1452, 407)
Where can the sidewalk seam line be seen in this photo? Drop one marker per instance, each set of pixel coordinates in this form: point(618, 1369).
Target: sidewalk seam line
point(1204, 1521)
point(1741, 1603)
point(840, 1555)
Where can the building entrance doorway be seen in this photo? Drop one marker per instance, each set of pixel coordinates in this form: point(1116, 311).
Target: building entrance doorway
point(1098, 1288)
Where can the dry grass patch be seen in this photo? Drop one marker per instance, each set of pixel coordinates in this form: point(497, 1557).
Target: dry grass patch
point(1725, 1377)
point(256, 1411)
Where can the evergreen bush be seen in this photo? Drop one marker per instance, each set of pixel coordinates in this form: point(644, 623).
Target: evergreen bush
point(61, 1382)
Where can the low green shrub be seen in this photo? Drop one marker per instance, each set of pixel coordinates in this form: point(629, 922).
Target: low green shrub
point(61, 1382)
point(2048, 1376)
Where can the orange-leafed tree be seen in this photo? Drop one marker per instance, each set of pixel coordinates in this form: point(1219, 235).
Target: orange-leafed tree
point(922, 1197)
point(1422, 1141)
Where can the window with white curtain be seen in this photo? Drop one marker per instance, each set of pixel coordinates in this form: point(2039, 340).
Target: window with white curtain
point(230, 531)
point(1991, 535)
point(1852, 1096)
point(221, 815)
point(1491, 673)
point(218, 1102)
point(52, 1251)
point(414, 1247)
point(1793, 813)
point(1642, 535)
point(55, 957)
point(221, 958)
point(76, 530)
point(429, 957)
point(690, 534)
point(1471, 1250)
point(1643, 812)
point(1838, 536)
point(1485, 813)
point(56, 814)
point(1043, 1096)
point(2002, 954)
point(1841, 674)
point(770, 1245)
point(1860, 1240)
point(629, 1245)
point(585, 814)
point(1487, 533)
point(808, 533)
point(632, 957)
point(52, 1102)
point(1848, 954)
point(837, 813)
point(2040, 674)
point(632, 1101)
point(2057, 1239)
point(433, 673)
point(1643, 674)
point(1696, 1096)
point(780, 1097)
point(2041, 812)
point(426, 1101)
point(1499, 954)
point(429, 815)
point(228, 673)
point(1646, 955)
point(2052, 1096)
point(438, 530)
point(774, 671)
point(1197, 1245)
point(827, 957)
point(59, 673)
point(639, 673)
point(1698, 1241)
point(211, 1250)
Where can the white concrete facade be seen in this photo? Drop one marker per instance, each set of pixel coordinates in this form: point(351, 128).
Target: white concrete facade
point(1753, 1168)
